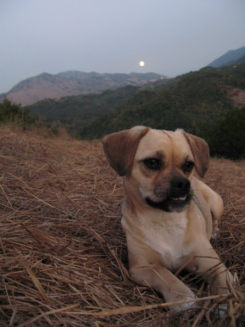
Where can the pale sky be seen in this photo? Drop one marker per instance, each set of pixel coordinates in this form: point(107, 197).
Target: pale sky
point(172, 37)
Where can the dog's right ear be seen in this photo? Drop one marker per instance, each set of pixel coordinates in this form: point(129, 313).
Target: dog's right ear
point(200, 150)
point(120, 148)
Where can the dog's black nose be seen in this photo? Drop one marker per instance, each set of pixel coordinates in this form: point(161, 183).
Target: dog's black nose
point(180, 185)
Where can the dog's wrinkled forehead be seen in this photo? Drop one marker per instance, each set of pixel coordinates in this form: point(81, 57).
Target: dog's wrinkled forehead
point(164, 144)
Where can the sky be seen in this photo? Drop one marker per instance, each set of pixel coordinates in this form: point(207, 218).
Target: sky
point(172, 37)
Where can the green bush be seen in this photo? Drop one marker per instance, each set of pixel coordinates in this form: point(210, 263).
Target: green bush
point(13, 113)
point(227, 139)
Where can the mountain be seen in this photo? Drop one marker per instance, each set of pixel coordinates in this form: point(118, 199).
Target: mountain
point(76, 112)
point(48, 86)
point(194, 102)
point(229, 58)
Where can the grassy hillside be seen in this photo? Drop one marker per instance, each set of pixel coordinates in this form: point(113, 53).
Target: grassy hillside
point(63, 254)
point(191, 101)
point(78, 111)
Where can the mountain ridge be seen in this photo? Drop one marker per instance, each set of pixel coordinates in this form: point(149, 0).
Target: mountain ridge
point(229, 58)
point(72, 83)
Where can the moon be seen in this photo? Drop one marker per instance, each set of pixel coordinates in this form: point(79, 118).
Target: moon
point(141, 63)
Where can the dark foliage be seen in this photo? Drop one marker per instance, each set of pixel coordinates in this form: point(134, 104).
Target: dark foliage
point(227, 139)
point(13, 113)
point(189, 102)
point(75, 112)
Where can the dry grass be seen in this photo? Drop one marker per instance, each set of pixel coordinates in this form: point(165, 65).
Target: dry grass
point(63, 258)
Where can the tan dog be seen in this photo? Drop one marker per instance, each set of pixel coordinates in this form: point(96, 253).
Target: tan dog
point(168, 214)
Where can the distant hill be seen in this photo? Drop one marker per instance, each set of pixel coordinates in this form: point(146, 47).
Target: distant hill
point(193, 101)
point(229, 58)
point(48, 86)
point(75, 112)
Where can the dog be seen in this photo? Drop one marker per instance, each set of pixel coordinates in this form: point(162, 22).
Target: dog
point(168, 214)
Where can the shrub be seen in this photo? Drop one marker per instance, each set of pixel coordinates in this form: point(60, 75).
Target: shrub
point(228, 137)
point(13, 113)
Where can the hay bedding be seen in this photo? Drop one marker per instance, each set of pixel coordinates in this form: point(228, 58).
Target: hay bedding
point(63, 258)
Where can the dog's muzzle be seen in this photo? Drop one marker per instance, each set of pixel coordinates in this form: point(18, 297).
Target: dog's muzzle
point(175, 198)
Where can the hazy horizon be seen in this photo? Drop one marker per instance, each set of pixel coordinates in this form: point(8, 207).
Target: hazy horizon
point(110, 36)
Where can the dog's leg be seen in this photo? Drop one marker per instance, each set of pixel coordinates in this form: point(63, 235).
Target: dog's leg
point(208, 264)
point(163, 281)
point(220, 280)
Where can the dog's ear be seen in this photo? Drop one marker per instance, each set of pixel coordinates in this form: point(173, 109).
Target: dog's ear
point(120, 148)
point(200, 151)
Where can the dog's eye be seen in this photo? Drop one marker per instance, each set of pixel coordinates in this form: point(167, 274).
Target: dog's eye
point(188, 166)
point(152, 163)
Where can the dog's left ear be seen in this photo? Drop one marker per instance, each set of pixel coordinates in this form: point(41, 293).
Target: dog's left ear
point(120, 148)
point(200, 151)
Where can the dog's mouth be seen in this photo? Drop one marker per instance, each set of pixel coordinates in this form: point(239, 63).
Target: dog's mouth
point(183, 198)
point(171, 204)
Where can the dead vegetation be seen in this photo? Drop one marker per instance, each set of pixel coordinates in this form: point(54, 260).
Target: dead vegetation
point(63, 257)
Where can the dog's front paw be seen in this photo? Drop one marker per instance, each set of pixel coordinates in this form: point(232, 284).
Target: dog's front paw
point(221, 310)
point(215, 233)
point(235, 280)
point(186, 303)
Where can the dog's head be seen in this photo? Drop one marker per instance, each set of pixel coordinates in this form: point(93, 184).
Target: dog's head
point(157, 165)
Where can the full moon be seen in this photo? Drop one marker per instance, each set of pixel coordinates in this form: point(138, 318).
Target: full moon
point(142, 63)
